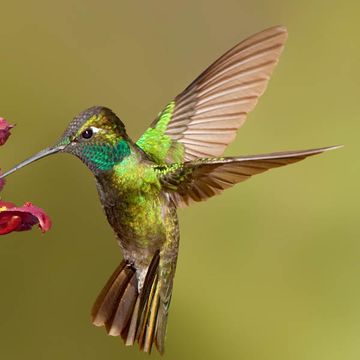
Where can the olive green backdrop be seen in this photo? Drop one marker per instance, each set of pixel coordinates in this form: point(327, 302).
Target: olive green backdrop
point(269, 270)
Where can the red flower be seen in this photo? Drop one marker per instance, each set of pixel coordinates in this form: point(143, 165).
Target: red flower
point(5, 128)
point(22, 218)
point(13, 218)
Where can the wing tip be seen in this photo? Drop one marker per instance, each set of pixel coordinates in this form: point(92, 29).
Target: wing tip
point(281, 28)
point(288, 154)
point(277, 29)
point(322, 149)
point(333, 147)
point(317, 151)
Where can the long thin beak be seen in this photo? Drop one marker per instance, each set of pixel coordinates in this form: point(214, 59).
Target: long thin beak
point(38, 156)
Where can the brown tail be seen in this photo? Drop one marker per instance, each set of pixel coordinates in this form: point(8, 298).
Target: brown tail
point(125, 312)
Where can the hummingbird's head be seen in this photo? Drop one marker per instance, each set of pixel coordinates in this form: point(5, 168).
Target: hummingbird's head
point(96, 136)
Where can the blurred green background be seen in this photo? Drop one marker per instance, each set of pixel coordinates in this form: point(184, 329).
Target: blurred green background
point(269, 270)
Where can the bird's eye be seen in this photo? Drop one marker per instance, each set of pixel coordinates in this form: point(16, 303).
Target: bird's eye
point(87, 134)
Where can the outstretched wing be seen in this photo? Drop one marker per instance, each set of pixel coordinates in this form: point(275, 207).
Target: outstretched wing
point(201, 179)
point(204, 118)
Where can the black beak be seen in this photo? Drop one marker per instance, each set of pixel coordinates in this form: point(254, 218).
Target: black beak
point(38, 156)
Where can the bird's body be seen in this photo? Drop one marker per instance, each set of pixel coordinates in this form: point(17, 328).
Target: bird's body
point(144, 220)
point(177, 161)
point(138, 210)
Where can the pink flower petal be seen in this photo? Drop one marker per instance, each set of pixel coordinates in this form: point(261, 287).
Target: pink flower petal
point(5, 128)
point(13, 218)
point(6, 204)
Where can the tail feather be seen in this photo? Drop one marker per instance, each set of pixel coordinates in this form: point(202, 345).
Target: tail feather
point(124, 310)
point(129, 333)
point(152, 323)
point(149, 296)
point(147, 327)
point(161, 328)
point(149, 279)
point(103, 308)
point(126, 313)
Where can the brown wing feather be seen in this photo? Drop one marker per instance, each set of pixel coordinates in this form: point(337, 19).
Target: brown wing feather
point(209, 112)
point(203, 178)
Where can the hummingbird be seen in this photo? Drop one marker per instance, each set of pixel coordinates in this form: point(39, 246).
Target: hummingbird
point(177, 161)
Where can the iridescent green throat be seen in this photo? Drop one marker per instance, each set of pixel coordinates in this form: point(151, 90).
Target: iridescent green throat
point(104, 156)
